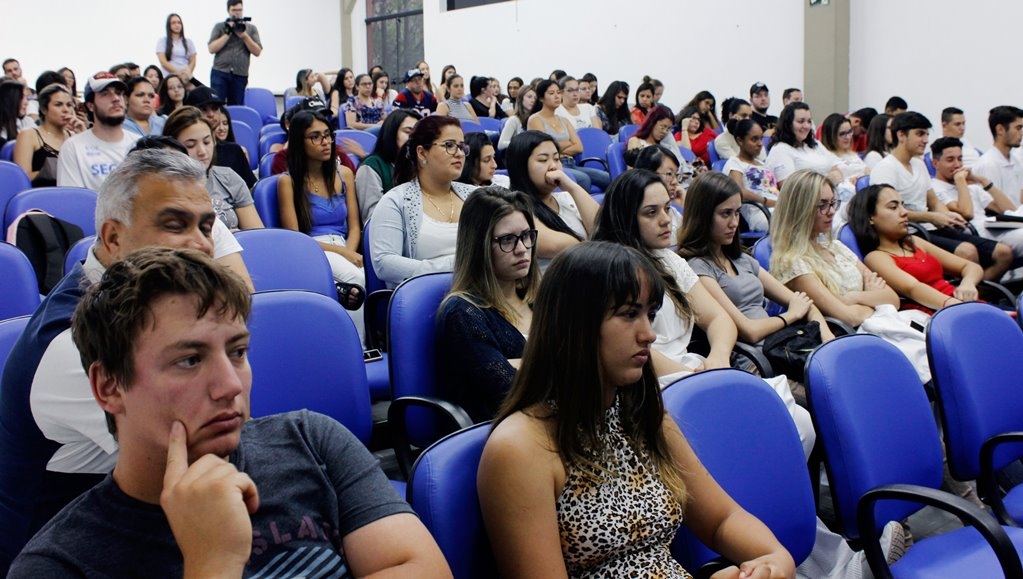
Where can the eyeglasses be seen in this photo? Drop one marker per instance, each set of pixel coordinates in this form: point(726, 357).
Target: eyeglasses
point(509, 242)
point(570, 90)
point(824, 206)
point(366, 83)
point(452, 148)
point(845, 133)
point(320, 138)
point(669, 176)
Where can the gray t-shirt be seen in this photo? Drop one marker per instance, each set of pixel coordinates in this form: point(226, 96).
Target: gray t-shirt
point(227, 192)
point(744, 289)
point(233, 57)
point(317, 483)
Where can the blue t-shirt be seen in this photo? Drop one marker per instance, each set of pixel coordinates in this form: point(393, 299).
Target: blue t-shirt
point(328, 216)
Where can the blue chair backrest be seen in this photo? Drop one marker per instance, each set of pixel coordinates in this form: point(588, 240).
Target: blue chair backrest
point(625, 132)
point(78, 252)
point(929, 163)
point(273, 129)
point(875, 424)
point(10, 331)
point(490, 125)
point(737, 424)
point(687, 154)
point(247, 115)
point(978, 384)
point(719, 165)
point(73, 204)
point(264, 196)
point(366, 140)
point(282, 259)
point(471, 127)
point(595, 142)
point(863, 182)
point(7, 151)
point(712, 153)
point(762, 252)
point(848, 239)
point(292, 101)
point(19, 287)
point(13, 180)
point(412, 337)
point(245, 136)
point(266, 163)
point(616, 159)
point(305, 353)
point(268, 140)
point(442, 491)
point(262, 100)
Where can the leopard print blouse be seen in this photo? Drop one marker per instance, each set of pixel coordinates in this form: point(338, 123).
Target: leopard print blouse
point(623, 524)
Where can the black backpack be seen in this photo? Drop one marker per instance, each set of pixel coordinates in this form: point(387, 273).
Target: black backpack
point(45, 239)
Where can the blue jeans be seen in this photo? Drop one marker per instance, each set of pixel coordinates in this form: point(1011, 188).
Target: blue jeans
point(586, 176)
point(228, 86)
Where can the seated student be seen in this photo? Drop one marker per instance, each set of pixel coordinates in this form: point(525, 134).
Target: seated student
point(545, 119)
point(904, 171)
point(644, 101)
point(231, 198)
point(705, 102)
point(837, 139)
point(519, 117)
point(317, 197)
point(808, 259)
point(415, 224)
point(171, 94)
point(912, 267)
point(309, 83)
point(660, 160)
point(364, 111)
point(953, 124)
point(229, 155)
point(414, 96)
point(582, 115)
point(53, 440)
point(655, 130)
point(969, 194)
point(342, 89)
point(36, 150)
point(453, 106)
point(659, 95)
point(1001, 163)
point(376, 172)
point(279, 164)
point(140, 113)
point(485, 93)
point(584, 431)
point(612, 109)
point(694, 135)
point(566, 213)
point(513, 87)
point(480, 163)
point(382, 88)
point(755, 180)
point(860, 120)
point(483, 322)
point(879, 140)
point(725, 143)
point(760, 96)
point(793, 147)
point(163, 337)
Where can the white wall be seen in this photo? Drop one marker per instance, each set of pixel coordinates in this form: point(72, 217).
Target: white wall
point(89, 36)
point(935, 54)
point(667, 39)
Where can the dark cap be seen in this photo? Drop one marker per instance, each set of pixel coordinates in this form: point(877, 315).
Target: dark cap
point(411, 74)
point(757, 87)
point(202, 96)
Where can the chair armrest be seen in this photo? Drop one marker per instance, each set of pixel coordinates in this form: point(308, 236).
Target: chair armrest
point(582, 161)
point(838, 327)
point(965, 511)
point(711, 567)
point(375, 316)
point(987, 480)
point(995, 293)
point(918, 230)
point(756, 357)
point(763, 208)
point(397, 424)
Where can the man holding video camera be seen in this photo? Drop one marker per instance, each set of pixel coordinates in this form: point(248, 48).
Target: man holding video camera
point(232, 42)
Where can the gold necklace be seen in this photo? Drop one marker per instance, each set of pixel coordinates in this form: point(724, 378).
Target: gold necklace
point(451, 206)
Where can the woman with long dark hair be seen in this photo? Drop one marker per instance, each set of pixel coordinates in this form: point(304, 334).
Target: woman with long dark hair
point(516, 123)
point(37, 149)
point(546, 119)
point(375, 175)
point(755, 180)
point(879, 140)
point(363, 110)
point(793, 146)
point(171, 94)
point(13, 106)
point(481, 163)
point(176, 53)
point(584, 431)
point(565, 211)
point(705, 102)
point(415, 224)
point(342, 89)
point(613, 109)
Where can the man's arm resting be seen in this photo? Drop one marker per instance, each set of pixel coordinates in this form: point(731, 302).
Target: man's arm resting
point(394, 546)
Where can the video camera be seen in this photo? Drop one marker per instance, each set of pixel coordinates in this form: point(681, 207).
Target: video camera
point(236, 24)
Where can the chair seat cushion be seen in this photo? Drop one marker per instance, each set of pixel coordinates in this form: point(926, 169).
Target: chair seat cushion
point(1013, 502)
point(379, 380)
point(959, 553)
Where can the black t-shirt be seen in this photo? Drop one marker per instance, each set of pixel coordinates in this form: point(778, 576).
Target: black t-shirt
point(765, 121)
point(231, 155)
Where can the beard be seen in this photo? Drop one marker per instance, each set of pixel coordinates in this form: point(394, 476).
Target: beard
point(109, 121)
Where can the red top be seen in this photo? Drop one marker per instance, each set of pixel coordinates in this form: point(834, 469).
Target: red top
point(926, 269)
point(699, 145)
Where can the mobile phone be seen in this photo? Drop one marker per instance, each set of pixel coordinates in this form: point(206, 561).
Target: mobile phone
point(917, 326)
point(372, 355)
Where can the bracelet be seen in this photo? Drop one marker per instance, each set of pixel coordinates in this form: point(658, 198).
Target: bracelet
point(944, 303)
point(989, 185)
point(782, 320)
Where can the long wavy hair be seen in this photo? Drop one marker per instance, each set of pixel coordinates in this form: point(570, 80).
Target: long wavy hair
point(657, 113)
point(876, 131)
point(784, 133)
point(298, 165)
point(792, 236)
point(617, 116)
point(618, 221)
point(561, 378)
point(474, 278)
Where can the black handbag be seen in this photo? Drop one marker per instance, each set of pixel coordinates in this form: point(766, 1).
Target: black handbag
point(788, 348)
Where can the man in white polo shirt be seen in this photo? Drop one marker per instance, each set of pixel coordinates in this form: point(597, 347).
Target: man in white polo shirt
point(1001, 163)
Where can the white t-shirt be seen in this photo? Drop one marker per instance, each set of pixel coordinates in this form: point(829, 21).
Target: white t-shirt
point(1005, 173)
point(912, 186)
point(759, 179)
point(850, 164)
point(872, 158)
point(674, 332)
point(436, 238)
point(569, 213)
point(785, 160)
point(85, 161)
point(581, 121)
point(947, 193)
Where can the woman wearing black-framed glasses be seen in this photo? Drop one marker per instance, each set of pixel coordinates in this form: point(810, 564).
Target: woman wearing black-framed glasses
point(485, 317)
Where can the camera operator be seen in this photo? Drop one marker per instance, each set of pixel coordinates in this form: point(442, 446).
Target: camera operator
point(233, 41)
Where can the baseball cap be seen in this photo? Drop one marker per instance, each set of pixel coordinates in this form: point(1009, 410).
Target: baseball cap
point(100, 81)
point(757, 87)
point(313, 103)
point(201, 96)
point(411, 74)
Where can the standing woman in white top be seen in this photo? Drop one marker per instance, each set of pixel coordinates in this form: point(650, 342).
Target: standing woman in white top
point(793, 146)
point(837, 138)
point(516, 122)
point(453, 105)
point(175, 52)
point(565, 212)
point(581, 115)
